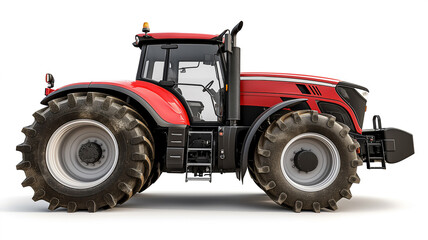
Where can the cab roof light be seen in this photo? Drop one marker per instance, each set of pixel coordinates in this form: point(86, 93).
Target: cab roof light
point(146, 28)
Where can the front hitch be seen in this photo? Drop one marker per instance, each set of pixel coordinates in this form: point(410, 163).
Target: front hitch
point(384, 145)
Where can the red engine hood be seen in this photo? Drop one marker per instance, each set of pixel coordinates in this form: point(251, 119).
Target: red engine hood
point(280, 77)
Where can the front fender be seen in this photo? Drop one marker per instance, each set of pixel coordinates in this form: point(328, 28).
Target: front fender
point(162, 105)
point(249, 138)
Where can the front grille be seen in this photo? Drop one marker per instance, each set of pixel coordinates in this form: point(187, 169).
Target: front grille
point(315, 90)
point(305, 90)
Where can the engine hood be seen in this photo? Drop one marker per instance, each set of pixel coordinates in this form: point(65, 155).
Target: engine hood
point(260, 89)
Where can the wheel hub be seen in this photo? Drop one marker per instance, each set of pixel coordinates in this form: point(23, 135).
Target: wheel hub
point(90, 152)
point(310, 162)
point(305, 161)
point(82, 153)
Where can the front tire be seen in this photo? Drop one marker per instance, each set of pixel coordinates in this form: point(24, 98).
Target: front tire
point(86, 151)
point(306, 161)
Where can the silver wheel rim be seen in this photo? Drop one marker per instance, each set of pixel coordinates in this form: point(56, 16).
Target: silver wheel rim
point(328, 162)
point(62, 154)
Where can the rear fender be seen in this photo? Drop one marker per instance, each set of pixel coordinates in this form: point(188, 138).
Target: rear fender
point(165, 109)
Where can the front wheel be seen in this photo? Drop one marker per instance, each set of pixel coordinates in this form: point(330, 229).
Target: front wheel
point(306, 161)
point(86, 151)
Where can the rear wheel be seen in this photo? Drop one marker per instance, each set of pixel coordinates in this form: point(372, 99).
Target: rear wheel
point(154, 176)
point(306, 161)
point(86, 151)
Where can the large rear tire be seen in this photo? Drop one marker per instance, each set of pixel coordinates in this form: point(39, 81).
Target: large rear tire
point(306, 161)
point(154, 176)
point(86, 151)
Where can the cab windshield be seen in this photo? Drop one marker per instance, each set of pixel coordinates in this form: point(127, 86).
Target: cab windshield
point(196, 71)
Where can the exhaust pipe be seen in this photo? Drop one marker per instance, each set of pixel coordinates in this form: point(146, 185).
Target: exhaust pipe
point(234, 77)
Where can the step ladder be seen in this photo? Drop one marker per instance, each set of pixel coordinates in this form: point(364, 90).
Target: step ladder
point(199, 157)
point(378, 153)
point(380, 157)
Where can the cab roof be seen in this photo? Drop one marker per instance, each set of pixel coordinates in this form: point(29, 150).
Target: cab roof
point(172, 35)
point(154, 38)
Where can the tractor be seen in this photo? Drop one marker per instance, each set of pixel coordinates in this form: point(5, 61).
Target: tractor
point(192, 111)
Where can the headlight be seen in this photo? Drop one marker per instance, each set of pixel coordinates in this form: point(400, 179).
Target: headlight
point(363, 93)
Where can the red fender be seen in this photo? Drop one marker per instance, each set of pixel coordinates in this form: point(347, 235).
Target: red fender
point(161, 104)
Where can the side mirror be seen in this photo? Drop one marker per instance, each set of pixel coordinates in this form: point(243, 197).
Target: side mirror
point(50, 80)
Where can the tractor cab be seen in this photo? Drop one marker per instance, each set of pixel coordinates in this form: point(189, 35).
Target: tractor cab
point(194, 73)
point(202, 71)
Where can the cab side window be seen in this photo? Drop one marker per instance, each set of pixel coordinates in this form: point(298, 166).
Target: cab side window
point(196, 71)
point(196, 68)
point(154, 63)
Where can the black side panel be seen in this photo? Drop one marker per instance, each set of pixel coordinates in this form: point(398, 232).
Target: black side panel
point(175, 160)
point(338, 111)
point(175, 151)
point(249, 114)
point(229, 143)
point(177, 137)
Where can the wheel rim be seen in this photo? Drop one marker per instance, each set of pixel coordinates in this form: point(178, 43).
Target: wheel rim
point(327, 167)
point(82, 154)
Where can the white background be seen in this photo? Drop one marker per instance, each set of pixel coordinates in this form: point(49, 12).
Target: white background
point(382, 45)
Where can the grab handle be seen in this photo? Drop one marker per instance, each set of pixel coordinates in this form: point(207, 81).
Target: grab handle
point(377, 123)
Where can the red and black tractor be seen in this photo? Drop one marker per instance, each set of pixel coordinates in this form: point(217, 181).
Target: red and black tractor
point(191, 110)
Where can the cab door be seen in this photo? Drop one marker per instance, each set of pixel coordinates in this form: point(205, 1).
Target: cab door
point(194, 73)
point(198, 73)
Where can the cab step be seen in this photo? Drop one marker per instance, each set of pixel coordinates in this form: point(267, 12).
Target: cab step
point(199, 158)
